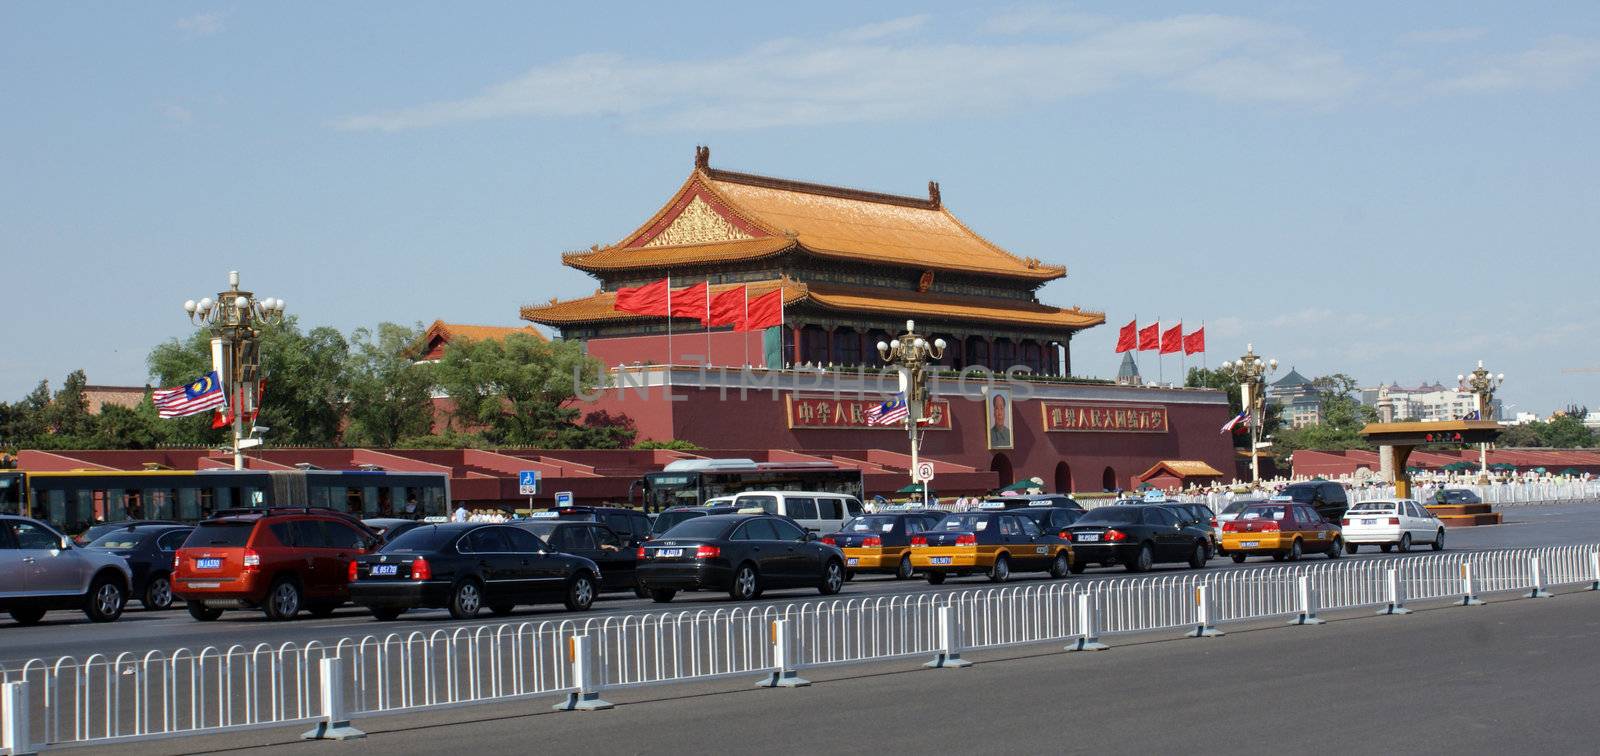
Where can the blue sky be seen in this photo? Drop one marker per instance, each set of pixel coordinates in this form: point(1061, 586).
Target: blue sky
point(1390, 190)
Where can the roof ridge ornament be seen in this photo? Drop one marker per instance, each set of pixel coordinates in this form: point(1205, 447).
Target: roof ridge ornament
point(933, 195)
point(702, 157)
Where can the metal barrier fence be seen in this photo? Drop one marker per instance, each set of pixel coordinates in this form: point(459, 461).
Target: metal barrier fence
point(1521, 493)
point(100, 700)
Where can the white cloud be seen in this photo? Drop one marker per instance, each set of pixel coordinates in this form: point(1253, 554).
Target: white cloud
point(1557, 62)
point(202, 24)
point(857, 76)
point(1045, 20)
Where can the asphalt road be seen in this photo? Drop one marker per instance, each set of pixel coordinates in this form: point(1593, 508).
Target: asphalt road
point(1515, 676)
point(68, 633)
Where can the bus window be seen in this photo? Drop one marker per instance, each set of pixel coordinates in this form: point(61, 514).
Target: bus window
point(161, 503)
point(132, 506)
point(189, 502)
point(10, 493)
point(372, 501)
point(433, 502)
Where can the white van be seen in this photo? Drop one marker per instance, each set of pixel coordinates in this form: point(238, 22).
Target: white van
point(816, 512)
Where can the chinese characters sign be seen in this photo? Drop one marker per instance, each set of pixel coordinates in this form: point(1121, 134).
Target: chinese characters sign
point(819, 412)
point(1105, 418)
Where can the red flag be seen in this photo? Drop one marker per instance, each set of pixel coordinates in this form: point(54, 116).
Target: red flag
point(727, 308)
point(1195, 343)
point(1128, 337)
point(690, 302)
point(1172, 339)
point(650, 299)
point(764, 311)
point(223, 418)
point(1150, 337)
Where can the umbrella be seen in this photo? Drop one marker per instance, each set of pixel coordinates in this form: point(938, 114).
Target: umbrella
point(1021, 485)
point(1459, 466)
point(1571, 471)
point(1503, 467)
point(1539, 470)
point(914, 488)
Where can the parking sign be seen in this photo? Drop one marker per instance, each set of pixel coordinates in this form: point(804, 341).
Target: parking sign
point(528, 482)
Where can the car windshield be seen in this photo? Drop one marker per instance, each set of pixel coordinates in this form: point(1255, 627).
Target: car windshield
point(117, 539)
point(1236, 507)
point(426, 538)
point(1374, 506)
point(1110, 516)
point(1301, 494)
point(221, 533)
point(698, 527)
point(870, 524)
point(667, 520)
point(1267, 512)
point(963, 522)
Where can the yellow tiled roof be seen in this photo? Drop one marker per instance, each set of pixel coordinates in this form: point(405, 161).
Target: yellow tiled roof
point(826, 221)
point(899, 303)
point(1183, 468)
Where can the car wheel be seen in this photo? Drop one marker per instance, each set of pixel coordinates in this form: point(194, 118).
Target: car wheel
point(158, 594)
point(1438, 540)
point(1061, 566)
point(199, 611)
point(29, 616)
point(662, 595)
point(832, 579)
point(1385, 547)
point(1335, 550)
point(283, 600)
point(935, 578)
point(466, 599)
point(1237, 557)
point(1296, 549)
point(1351, 548)
point(641, 592)
point(904, 571)
point(1197, 560)
point(580, 593)
point(106, 599)
point(1405, 542)
point(1142, 561)
point(1078, 567)
point(1001, 570)
point(746, 583)
point(386, 613)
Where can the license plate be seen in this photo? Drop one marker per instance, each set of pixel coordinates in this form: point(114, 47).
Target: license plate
point(852, 561)
point(1369, 522)
point(205, 585)
point(208, 564)
point(669, 552)
point(939, 560)
point(386, 569)
point(1087, 537)
point(1249, 544)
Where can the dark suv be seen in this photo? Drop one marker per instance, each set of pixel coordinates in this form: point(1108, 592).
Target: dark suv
point(1327, 497)
point(278, 560)
point(631, 525)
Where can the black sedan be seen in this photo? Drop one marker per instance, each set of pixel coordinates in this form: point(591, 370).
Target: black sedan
point(741, 554)
point(671, 516)
point(597, 543)
point(148, 547)
point(464, 567)
point(1138, 536)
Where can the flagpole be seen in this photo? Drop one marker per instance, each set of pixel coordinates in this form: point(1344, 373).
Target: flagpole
point(669, 320)
point(1183, 358)
point(1160, 374)
point(743, 329)
point(1204, 365)
point(708, 321)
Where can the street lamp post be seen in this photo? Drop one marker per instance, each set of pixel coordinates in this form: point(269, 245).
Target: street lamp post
point(1482, 384)
point(234, 317)
point(1251, 373)
point(910, 355)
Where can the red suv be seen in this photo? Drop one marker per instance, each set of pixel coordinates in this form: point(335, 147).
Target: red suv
point(278, 561)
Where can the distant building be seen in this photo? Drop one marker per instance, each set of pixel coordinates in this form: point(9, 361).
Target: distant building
point(1128, 374)
point(1427, 403)
point(122, 396)
point(1298, 400)
point(440, 334)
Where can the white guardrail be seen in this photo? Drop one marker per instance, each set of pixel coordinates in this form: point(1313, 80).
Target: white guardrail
point(100, 700)
point(1529, 493)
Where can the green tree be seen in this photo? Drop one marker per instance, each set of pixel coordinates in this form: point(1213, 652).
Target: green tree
point(305, 390)
point(519, 391)
point(139, 427)
point(1566, 432)
point(1343, 417)
point(391, 398)
point(673, 444)
point(23, 423)
point(67, 416)
point(1522, 435)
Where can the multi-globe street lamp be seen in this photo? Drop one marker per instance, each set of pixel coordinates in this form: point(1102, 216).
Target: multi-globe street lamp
point(1482, 384)
point(1251, 373)
point(910, 354)
point(234, 318)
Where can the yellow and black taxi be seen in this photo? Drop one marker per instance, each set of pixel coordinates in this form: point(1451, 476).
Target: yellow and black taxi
point(1138, 536)
point(881, 542)
point(1282, 529)
point(994, 543)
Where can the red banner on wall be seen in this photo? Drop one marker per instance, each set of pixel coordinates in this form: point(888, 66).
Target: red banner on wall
point(1104, 418)
point(820, 412)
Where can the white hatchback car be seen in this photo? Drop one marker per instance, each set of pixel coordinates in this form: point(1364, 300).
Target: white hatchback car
point(1391, 523)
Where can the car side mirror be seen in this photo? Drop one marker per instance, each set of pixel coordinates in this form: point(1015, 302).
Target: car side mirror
point(810, 536)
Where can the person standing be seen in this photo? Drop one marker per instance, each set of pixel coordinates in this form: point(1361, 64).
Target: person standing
point(461, 513)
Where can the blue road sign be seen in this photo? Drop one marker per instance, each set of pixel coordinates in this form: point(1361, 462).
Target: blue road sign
point(528, 482)
point(563, 498)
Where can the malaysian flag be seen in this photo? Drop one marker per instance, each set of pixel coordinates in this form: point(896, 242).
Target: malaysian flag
point(200, 396)
point(888, 413)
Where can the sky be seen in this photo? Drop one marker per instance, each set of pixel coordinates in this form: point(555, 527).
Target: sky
point(1390, 190)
